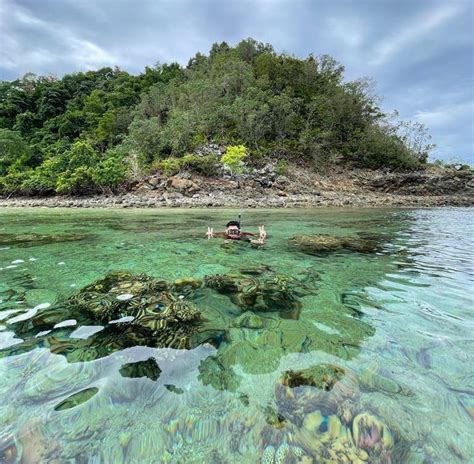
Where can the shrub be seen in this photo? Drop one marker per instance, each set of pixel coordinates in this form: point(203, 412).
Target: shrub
point(378, 149)
point(169, 166)
point(81, 180)
point(13, 181)
point(282, 167)
point(205, 165)
point(110, 173)
point(233, 158)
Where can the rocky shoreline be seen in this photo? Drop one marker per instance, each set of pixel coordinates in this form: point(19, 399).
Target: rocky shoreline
point(266, 188)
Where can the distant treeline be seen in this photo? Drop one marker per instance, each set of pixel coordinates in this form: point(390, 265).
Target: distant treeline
point(96, 130)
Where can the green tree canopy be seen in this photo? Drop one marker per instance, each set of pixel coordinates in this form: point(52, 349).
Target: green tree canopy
point(70, 134)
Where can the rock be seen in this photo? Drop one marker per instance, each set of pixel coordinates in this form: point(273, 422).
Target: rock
point(184, 175)
point(320, 243)
point(322, 376)
point(27, 240)
point(182, 185)
point(281, 182)
point(254, 269)
point(323, 387)
point(370, 433)
point(187, 282)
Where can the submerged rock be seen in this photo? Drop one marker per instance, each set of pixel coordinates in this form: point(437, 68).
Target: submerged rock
point(130, 310)
point(263, 293)
point(222, 283)
point(322, 376)
point(256, 269)
point(29, 240)
point(323, 387)
point(9, 451)
point(373, 435)
point(149, 301)
point(321, 243)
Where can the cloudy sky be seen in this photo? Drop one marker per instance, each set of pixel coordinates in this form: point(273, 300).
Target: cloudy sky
point(420, 52)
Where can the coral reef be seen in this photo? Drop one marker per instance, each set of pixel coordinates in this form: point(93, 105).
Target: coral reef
point(321, 243)
point(29, 240)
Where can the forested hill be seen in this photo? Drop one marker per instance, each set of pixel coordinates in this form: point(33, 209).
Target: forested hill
point(97, 130)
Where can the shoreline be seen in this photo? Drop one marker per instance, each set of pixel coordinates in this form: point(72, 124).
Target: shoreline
point(267, 189)
point(320, 200)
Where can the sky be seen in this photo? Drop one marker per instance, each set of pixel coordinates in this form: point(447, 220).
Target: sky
point(419, 52)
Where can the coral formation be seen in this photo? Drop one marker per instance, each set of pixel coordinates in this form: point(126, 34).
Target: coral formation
point(321, 243)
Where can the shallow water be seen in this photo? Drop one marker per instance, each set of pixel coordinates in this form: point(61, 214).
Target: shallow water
point(395, 324)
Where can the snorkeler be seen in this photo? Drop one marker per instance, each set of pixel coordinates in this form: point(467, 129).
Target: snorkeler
point(234, 232)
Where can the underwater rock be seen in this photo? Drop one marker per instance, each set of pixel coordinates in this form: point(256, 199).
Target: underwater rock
point(373, 435)
point(187, 282)
point(149, 301)
point(29, 240)
point(327, 439)
point(323, 387)
point(222, 283)
point(9, 452)
point(32, 443)
point(322, 376)
point(256, 269)
point(148, 368)
point(321, 243)
point(264, 295)
point(174, 389)
point(76, 399)
point(272, 293)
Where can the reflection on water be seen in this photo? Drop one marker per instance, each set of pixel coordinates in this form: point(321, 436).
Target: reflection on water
point(125, 336)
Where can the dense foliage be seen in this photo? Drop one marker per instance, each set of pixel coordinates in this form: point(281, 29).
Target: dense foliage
point(93, 131)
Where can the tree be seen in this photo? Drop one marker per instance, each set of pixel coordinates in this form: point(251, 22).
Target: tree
point(14, 151)
point(60, 134)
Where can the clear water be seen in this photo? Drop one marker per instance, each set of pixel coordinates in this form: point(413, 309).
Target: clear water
point(397, 322)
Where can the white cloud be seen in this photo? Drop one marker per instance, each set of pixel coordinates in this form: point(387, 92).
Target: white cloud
point(414, 31)
point(57, 44)
point(441, 116)
point(420, 52)
point(346, 31)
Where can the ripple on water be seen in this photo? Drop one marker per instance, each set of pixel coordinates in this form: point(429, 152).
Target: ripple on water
point(396, 322)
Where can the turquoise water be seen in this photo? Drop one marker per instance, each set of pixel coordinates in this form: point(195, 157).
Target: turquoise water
point(346, 356)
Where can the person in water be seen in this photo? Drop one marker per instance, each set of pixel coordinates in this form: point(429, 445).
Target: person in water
point(233, 232)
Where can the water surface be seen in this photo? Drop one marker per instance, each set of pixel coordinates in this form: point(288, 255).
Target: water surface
point(391, 330)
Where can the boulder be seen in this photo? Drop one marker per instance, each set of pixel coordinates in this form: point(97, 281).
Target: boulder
point(182, 185)
point(321, 243)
